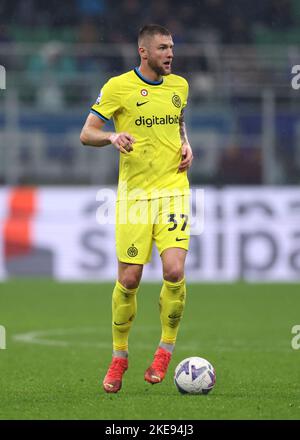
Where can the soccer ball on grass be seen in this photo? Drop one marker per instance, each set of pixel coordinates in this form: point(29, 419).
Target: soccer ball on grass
point(194, 375)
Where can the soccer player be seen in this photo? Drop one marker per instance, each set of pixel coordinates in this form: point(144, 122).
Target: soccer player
point(146, 105)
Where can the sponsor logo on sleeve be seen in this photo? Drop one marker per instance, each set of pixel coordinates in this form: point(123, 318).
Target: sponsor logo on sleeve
point(99, 98)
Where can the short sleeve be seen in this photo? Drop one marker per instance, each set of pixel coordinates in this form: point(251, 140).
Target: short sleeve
point(108, 101)
point(186, 94)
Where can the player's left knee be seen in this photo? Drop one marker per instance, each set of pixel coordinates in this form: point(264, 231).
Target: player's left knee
point(174, 273)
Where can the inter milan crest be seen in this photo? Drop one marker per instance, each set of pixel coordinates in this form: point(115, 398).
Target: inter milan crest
point(132, 251)
point(176, 100)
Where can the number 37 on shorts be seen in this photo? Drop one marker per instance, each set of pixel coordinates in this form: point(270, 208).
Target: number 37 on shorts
point(164, 221)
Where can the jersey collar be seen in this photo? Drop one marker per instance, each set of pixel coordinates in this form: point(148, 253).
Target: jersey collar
point(147, 81)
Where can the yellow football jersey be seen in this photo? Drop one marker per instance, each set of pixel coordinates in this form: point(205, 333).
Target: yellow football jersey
point(149, 111)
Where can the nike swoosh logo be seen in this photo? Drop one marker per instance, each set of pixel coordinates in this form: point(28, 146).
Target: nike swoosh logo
point(180, 239)
point(174, 316)
point(120, 323)
point(141, 103)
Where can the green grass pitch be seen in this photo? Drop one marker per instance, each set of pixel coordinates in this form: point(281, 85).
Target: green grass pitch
point(59, 347)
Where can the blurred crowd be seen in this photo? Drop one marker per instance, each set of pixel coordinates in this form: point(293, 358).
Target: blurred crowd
point(48, 75)
point(227, 21)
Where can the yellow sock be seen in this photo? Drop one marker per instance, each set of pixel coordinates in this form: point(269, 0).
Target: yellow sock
point(123, 312)
point(171, 302)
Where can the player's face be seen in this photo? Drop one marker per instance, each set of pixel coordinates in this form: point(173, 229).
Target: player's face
point(160, 54)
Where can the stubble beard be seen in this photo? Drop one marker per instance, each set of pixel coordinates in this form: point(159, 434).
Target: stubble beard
point(160, 71)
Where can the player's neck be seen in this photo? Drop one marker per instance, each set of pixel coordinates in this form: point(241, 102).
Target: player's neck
point(149, 74)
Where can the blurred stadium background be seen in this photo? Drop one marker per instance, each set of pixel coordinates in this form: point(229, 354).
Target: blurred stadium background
point(243, 122)
point(244, 126)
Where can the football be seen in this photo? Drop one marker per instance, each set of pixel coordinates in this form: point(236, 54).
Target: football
point(194, 375)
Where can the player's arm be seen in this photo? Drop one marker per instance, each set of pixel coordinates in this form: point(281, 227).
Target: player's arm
point(93, 134)
point(186, 150)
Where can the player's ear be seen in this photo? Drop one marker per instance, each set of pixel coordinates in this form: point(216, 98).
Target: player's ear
point(143, 53)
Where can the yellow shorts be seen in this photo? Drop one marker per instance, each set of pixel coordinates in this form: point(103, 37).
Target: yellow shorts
point(139, 223)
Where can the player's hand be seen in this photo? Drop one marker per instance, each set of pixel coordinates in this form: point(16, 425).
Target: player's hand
point(122, 141)
point(187, 157)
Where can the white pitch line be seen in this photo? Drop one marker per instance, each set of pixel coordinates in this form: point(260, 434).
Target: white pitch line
point(43, 337)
